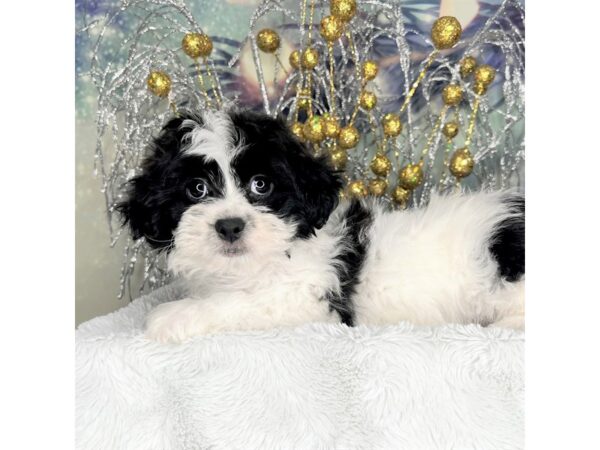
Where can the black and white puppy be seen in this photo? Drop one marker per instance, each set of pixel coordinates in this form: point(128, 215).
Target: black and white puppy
point(252, 223)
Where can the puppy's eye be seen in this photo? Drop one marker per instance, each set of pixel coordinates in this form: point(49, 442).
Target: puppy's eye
point(197, 189)
point(260, 185)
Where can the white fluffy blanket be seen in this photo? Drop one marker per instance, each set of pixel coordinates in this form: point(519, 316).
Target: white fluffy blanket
point(314, 387)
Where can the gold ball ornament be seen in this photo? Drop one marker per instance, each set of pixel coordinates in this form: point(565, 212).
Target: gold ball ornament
point(445, 32)
point(452, 94)
point(310, 58)
point(332, 28)
point(303, 99)
point(380, 165)
point(392, 126)
point(479, 88)
point(343, 9)
point(467, 66)
point(367, 100)
point(313, 130)
point(338, 158)
point(357, 189)
point(461, 163)
point(378, 187)
point(268, 40)
point(298, 130)
point(450, 130)
point(484, 74)
point(331, 126)
point(400, 196)
point(295, 59)
point(411, 176)
point(369, 70)
point(159, 83)
point(197, 45)
point(349, 137)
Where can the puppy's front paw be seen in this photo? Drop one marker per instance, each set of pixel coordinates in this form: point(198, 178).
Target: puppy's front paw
point(174, 322)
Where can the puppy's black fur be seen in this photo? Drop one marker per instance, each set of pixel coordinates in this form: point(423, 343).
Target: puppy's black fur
point(307, 189)
point(508, 243)
point(350, 261)
point(156, 198)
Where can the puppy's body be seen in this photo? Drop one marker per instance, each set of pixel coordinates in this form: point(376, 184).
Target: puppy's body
point(262, 245)
point(437, 264)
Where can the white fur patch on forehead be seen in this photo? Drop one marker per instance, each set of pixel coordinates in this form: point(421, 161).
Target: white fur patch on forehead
point(214, 139)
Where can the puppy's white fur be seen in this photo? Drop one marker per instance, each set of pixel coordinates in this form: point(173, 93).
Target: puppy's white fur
point(214, 141)
point(432, 265)
point(428, 266)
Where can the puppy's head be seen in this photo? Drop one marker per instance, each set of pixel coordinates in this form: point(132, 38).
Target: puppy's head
point(227, 191)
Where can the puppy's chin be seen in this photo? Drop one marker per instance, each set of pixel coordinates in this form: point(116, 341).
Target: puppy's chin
point(233, 250)
point(237, 250)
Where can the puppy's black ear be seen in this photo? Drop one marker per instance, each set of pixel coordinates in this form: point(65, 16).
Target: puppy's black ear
point(149, 210)
point(317, 184)
point(319, 187)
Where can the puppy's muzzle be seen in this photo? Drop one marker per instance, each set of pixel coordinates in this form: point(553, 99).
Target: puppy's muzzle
point(230, 229)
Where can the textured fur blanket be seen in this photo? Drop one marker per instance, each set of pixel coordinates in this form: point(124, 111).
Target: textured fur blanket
point(315, 387)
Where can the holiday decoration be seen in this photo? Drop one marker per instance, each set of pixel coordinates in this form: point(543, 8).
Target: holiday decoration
point(159, 83)
point(332, 28)
point(348, 137)
point(304, 97)
point(450, 129)
point(331, 126)
point(400, 196)
point(461, 163)
point(411, 176)
point(313, 130)
point(452, 94)
point(381, 165)
point(369, 70)
point(339, 158)
point(467, 66)
point(479, 88)
point(310, 58)
point(484, 74)
point(404, 107)
point(367, 100)
point(343, 9)
point(294, 59)
point(267, 40)
point(197, 45)
point(446, 32)
point(392, 126)
point(378, 187)
point(357, 189)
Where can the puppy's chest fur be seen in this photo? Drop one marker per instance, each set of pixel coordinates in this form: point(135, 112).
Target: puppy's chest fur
point(285, 290)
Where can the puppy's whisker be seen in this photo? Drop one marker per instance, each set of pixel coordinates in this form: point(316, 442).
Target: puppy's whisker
point(169, 242)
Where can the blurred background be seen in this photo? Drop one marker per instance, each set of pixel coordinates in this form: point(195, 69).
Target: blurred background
point(98, 265)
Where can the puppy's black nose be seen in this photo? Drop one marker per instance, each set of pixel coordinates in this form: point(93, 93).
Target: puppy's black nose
point(230, 229)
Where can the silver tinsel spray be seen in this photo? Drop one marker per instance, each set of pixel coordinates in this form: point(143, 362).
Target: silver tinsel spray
point(488, 118)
